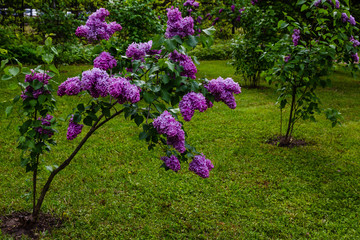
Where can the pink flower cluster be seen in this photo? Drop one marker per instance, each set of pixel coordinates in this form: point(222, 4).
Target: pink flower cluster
point(137, 51)
point(96, 28)
point(345, 18)
point(296, 37)
point(201, 166)
point(176, 25)
point(166, 124)
point(29, 91)
point(105, 61)
point(98, 83)
point(74, 129)
point(191, 102)
point(172, 162)
point(45, 121)
point(223, 90)
point(186, 62)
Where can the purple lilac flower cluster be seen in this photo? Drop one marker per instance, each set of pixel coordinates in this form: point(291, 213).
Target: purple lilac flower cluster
point(191, 102)
point(45, 121)
point(191, 3)
point(30, 91)
point(345, 18)
point(96, 28)
point(296, 37)
point(74, 129)
point(176, 25)
point(166, 124)
point(186, 62)
point(223, 90)
point(254, 1)
point(355, 57)
point(201, 166)
point(105, 61)
point(172, 162)
point(98, 83)
point(337, 3)
point(355, 42)
point(137, 51)
point(287, 58)
point(121, 89)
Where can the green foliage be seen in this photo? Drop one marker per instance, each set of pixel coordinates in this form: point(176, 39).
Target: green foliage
point(137, 19)
point(219, 51)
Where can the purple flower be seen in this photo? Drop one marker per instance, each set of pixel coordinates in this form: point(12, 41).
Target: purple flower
point(191, 3)
point(74, 129)
point(287, 58)
point(45, 121)
point(199, 19)
point(122, 90)
point(189, 68)
point(191, 102)
point(233, 8)
point(96, 28)
point(352, 20)
point(355, 57)
point(223, 90)
point(354, 41)
point(253, 2)
point(29, 91)
point(220, 10)
point(72, 86)
point(176, 25)
point(344, 17)
point(166, 124)
point(201, 166)
point(96, 81)
point(317, 3)
point(296, 37)
point(105, 61)
point(172, 162)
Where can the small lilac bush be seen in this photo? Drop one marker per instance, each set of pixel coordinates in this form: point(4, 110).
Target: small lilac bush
point(157, 74)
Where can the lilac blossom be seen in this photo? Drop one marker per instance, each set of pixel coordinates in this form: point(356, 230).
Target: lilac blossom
point(287, 58)
point(201, 166)
point(137, 51)
point(189, 68)
point(355, 57)
point(121, 89)
point(220, 10)
point(199, 19)
point(29, 91)
point(223, 90)
point(96, 81)
point(166, 124)
point(72, 86)
point(190, 102)
point(352, 20)
point(96, 28)
point(105, 61)
point(45, 121)
point(233, 8)
point(296, 37)
point(355, 42)
point(74, 129)
point(176, 25)
point(344, 17)
point(253, 2)
point(172, 162)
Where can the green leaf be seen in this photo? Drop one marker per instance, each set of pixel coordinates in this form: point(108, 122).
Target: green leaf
point(48, 41)
point(4, 62)
point(157, 41)
point(304, 7)
point(143, 135)
point(192, 41)
point(6, 77)
point(300, 2)
point(54, 69)
point(178, 39)
point(97, 49)
point(53, 49)
point(149, 97)
point(165, 79)
point(8, 110)
point(209, 31)
point(88, 121)
point(139, 119)
point(14, 71)
point(26, 70)
point(170, 65)
point(165, 95)
point(169, 45)
point(47, 57)
point(16, 98)
point(81, 107)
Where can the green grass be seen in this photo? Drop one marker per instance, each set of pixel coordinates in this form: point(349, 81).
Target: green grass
point(114, 188)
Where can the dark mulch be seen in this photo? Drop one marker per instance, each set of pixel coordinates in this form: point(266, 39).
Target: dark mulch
point(280, 141)
point(17, 224)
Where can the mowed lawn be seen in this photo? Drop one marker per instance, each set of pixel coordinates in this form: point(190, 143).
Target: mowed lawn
point(115, 188)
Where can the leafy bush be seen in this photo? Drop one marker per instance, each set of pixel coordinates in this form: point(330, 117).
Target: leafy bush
point(71, 53)
point(219, 51)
